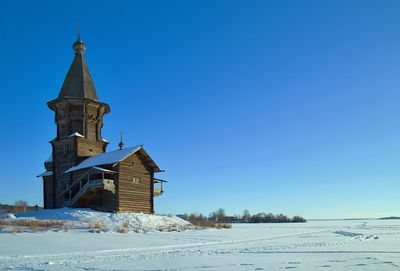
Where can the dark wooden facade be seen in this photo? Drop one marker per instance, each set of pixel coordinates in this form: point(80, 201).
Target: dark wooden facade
point(141, 190)
point(80, 173)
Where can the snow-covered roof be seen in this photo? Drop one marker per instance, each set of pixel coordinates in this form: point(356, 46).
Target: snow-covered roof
point(50, 159)
point(100, 169)
point(76, 134)
point(46, 173)
point(112, 158)
point(104, 140)
point(105, 158)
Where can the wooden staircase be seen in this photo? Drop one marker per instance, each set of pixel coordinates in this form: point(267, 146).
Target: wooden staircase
point(89, 189)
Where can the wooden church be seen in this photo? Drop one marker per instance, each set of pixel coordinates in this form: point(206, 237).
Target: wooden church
point(80, 173)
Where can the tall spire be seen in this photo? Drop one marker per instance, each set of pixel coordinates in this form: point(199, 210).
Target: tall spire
point(78, 83)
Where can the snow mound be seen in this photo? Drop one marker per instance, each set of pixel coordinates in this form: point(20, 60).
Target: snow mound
point(7, 216)
point(357, 236)
point(137, 222)
point(347, 233)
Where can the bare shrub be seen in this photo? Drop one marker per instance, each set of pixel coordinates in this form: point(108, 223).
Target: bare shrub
point(138, 227)
point(66, 227)
point(60, 227)
point(34, 224)
point(97, 227)
point(38, 223)
point(168, 228)
point(173, 227)
point(122, 230)
point(46, 227)
point(223, 225)
point(200, 221)
point(16, 230)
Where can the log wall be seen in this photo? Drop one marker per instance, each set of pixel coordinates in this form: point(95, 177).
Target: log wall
point(64, 157)
point(134, 195)
point(87, 148)
point(102, 200)
point(48, 192)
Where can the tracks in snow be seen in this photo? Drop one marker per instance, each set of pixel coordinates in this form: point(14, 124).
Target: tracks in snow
point(196, 248)
point(251, 245)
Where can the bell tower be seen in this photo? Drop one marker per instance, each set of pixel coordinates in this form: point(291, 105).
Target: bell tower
point(79, 119)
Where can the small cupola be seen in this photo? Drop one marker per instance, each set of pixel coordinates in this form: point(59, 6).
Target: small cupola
point(121, 143)
point(79, 46)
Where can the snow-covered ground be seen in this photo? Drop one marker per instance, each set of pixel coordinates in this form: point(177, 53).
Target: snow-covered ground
point(83, 218)
point(315, 245)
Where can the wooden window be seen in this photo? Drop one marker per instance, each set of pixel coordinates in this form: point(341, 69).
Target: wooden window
point(135, 179)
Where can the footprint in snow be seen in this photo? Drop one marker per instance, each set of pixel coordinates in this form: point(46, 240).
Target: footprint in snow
point(359, 264)
point(337, 261)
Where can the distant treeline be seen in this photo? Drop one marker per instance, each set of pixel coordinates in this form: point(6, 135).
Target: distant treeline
point(390, 217)
point(219, 216)
point(20, 206)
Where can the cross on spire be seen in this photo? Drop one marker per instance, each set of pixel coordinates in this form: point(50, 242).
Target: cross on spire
point(121, 143)
point(79, 31)
point(79, 46)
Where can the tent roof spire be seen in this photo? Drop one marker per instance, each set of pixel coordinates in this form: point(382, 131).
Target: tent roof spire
point(78, 83)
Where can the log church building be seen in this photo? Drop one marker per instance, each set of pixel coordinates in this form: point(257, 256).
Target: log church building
point(80, 173)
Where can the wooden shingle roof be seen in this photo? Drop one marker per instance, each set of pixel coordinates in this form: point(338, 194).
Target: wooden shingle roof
point(78, 83)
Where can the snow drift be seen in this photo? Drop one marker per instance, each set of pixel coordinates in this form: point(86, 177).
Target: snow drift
point(87, 218)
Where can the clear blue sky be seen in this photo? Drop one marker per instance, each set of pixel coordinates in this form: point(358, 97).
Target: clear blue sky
point(274, 106)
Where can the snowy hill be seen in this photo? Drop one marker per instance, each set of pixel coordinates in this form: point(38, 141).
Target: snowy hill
point(102, 221)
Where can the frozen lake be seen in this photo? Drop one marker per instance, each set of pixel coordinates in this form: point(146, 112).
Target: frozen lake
point(315, 245)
